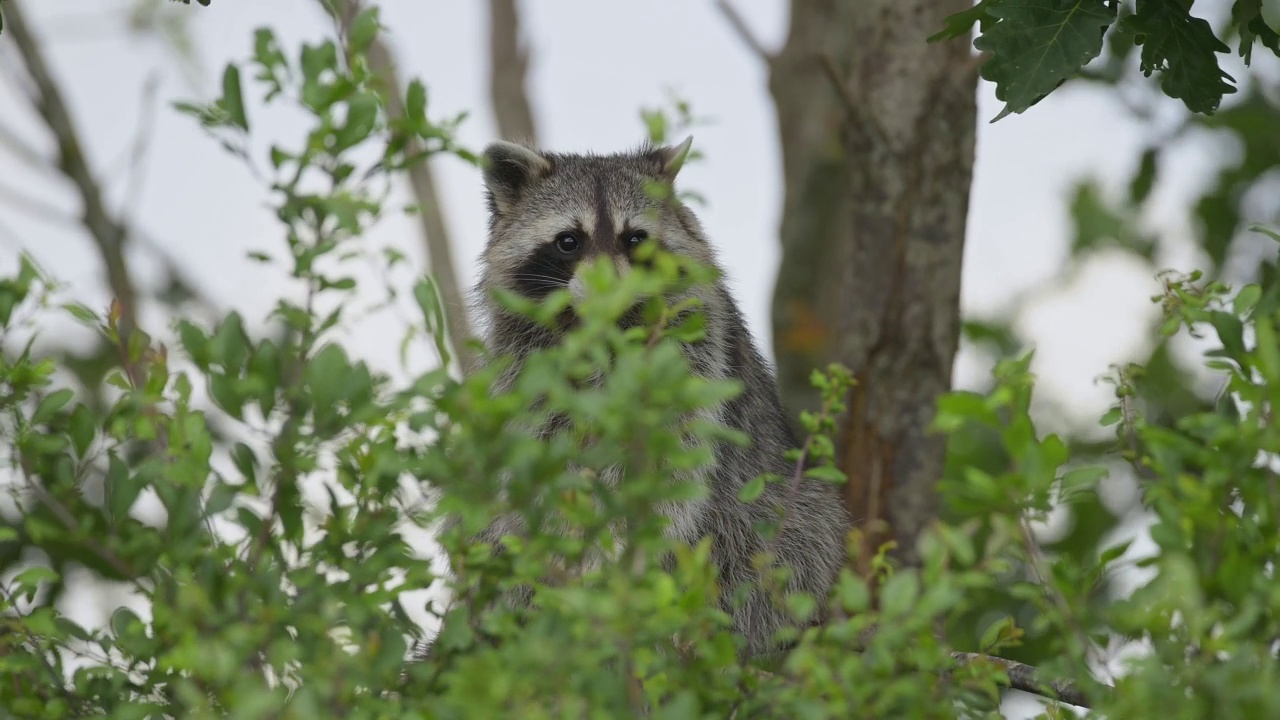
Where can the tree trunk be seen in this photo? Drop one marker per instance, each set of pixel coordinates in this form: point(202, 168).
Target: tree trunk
point(877, 130)
point(508, 66)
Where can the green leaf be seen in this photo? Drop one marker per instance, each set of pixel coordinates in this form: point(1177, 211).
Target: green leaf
point(82, 313)
point(424, 292)
point(28, 581)
point(364, 29)
point(752, 490)
point(246, 462)
point(1246, 298)
point(228, 346)
point(1181, 48)
point(232, 98)
point(826, 473)
point(362, 113)
point(852, 592)
point(899, 593)
point(415, 105)
point(1036, 45)
point(51, 404)
point(1100, 222)
point(1265, 231)
point(1230, 332)
point(223, 495)
point(122, 487)
point(1145, 178)
point(1248, 15)
point(125, 622)
point(999, 634)
point(960, 23)
point(1082, 478)
point(82, 428)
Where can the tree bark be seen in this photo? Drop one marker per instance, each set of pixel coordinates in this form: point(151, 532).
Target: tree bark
point(508, 66)
point(877, 130)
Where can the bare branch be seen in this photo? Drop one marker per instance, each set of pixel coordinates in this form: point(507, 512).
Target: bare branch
point(422, 180)
point(1027, 679)
point(137, 154)
point(743, 31)
point(10, 141)
point(36, 207)
point(851, 104)
point(108, 234)
point(509, 64)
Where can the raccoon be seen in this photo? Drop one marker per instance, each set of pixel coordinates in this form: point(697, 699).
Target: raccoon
point(551, 212)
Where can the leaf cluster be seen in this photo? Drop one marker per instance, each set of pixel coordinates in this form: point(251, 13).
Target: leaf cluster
point(1034, 46)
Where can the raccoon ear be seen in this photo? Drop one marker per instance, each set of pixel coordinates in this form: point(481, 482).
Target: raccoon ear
point(509, 168)
point(672, 159)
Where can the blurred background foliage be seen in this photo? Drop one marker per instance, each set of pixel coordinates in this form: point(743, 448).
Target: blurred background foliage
point(1230, 218)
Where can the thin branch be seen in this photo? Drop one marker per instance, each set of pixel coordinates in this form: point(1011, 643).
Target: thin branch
point(422, 180)
point(743, 31)
point(47, 212)
point(509, 64)
point(1027, 679)
point(136, 156)
point(855, 109)
point(108, 233)
point(36, 207)
point(10, 141)
point(71, 524)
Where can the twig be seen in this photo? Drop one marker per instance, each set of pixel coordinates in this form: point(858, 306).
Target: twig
point(855, 109)
point(107, 232)
point(10, 141)
point(431, 214)
point(71, 524)
point(47, 212)
point(137, 154)
point(36, 207)
point(743, 31)
point(509, 63)
point(1037, 562)
point(1026, 678)
point(56, 680)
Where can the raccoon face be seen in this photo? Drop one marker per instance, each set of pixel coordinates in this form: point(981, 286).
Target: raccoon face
point(552, 213)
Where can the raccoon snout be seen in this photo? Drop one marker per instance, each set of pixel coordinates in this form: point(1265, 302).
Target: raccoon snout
point(577, 288)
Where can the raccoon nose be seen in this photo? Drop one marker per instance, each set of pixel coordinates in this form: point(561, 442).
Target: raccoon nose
point(577, 288)
point(621, 265)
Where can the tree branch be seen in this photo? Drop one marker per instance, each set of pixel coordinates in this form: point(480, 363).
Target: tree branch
point(508, 66)
point(107, 233)
point(422, 180)
point(10, 141)
point(743, 31)
point(1027, 679)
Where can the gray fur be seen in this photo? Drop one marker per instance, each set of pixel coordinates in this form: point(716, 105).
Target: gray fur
point(535, 195)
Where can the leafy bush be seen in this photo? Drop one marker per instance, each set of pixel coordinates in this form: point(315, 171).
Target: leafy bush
point(290, 480)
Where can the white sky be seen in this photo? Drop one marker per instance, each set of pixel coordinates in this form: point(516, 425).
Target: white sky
point(594, 66)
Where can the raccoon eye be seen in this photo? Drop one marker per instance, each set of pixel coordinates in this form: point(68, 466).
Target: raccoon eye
point(567, 243)
point(637, 237)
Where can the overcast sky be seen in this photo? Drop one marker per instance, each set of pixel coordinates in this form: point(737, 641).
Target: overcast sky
point(594, 66)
